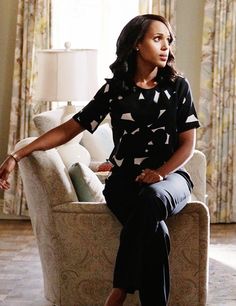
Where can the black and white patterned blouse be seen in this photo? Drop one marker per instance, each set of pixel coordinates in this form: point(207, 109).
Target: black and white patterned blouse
point(145, 122)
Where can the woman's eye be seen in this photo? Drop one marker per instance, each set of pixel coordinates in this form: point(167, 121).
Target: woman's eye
point(157, 38)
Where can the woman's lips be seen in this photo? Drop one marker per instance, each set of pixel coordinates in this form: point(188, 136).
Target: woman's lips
point(163, 58)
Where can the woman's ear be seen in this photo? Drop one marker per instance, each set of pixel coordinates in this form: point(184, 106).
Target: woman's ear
point(138, 46)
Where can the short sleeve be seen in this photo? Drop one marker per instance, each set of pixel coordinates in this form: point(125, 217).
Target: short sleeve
point(186, 113)
point(96, 110)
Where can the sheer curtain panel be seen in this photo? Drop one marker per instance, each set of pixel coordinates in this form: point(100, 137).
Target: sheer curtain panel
point(32, 33)
point(217, 107)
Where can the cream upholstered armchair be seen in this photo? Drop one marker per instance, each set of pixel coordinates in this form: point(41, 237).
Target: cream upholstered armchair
point(77, 241)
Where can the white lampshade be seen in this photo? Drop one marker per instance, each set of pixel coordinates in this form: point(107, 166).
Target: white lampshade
point(66, 75)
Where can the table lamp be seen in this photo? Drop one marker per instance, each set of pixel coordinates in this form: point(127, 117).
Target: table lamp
point(66, 75)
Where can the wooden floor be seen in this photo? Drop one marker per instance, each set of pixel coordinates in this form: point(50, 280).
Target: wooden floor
point(21, 278)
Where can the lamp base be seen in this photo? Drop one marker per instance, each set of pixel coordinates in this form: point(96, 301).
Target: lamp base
point(69, 109)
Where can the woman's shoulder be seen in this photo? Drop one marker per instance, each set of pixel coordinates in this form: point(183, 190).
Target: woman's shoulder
point(106, 89)
point(181, 84)
point(181, 80)
point(118, 86)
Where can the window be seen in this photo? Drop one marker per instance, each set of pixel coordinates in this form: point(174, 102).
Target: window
point(93, 24)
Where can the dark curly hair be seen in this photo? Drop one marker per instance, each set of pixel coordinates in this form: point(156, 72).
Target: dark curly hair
point(125, 64)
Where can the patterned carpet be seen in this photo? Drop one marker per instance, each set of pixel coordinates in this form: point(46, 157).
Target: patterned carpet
point(21, 282)
point(222, 266)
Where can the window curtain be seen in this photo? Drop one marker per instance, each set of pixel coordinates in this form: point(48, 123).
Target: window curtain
point(217, 108)
point(32, 33)
point(166, 8)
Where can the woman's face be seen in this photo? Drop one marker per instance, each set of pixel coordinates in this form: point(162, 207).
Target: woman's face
point(154, 48)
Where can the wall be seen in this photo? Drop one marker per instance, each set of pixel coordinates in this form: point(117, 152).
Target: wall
point(8, 12)
point(189, 40)
point(188, 50)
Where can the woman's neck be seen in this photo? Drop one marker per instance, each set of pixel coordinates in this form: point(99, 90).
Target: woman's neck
point(146, 78)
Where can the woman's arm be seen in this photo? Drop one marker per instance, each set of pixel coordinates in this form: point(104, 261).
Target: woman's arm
point(184, 152)
point(49, 140)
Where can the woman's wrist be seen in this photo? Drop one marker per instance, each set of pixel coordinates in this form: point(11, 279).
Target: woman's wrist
point(15, 156)
point(161, 174)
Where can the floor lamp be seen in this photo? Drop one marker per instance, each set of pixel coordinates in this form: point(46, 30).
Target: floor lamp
point(66, 75)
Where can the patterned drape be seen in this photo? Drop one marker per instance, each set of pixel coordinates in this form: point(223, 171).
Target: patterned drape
point(165, 8)
point(32, 33)
point(217, 107)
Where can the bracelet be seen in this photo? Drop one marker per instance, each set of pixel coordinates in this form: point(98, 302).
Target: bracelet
point(14, 156)
point(161, 177)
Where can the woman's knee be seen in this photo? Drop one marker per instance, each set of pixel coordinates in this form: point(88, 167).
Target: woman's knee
point(154, 199)
point(166, 197)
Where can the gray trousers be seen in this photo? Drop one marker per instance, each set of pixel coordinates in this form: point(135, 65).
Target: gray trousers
point(142, 258)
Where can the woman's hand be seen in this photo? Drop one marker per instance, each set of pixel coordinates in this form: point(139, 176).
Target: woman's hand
point(149, 176)
point(5, 169)
point(177, 160)
point(106, 166)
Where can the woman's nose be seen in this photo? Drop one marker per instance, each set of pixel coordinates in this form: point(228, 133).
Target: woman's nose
point(165, 45)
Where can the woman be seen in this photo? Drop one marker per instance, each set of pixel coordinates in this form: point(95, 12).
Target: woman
point(154, 121)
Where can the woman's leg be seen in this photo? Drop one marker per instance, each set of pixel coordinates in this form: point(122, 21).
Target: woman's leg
point(163, 200)
point(142, 259)
point(155, 285)
point(120, 194)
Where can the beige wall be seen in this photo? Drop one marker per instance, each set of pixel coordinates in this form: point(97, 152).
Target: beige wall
point(189, 40)
point(8, 12)
point(188, 48)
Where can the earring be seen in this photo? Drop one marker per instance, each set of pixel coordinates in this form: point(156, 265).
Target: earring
point(137, 49)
